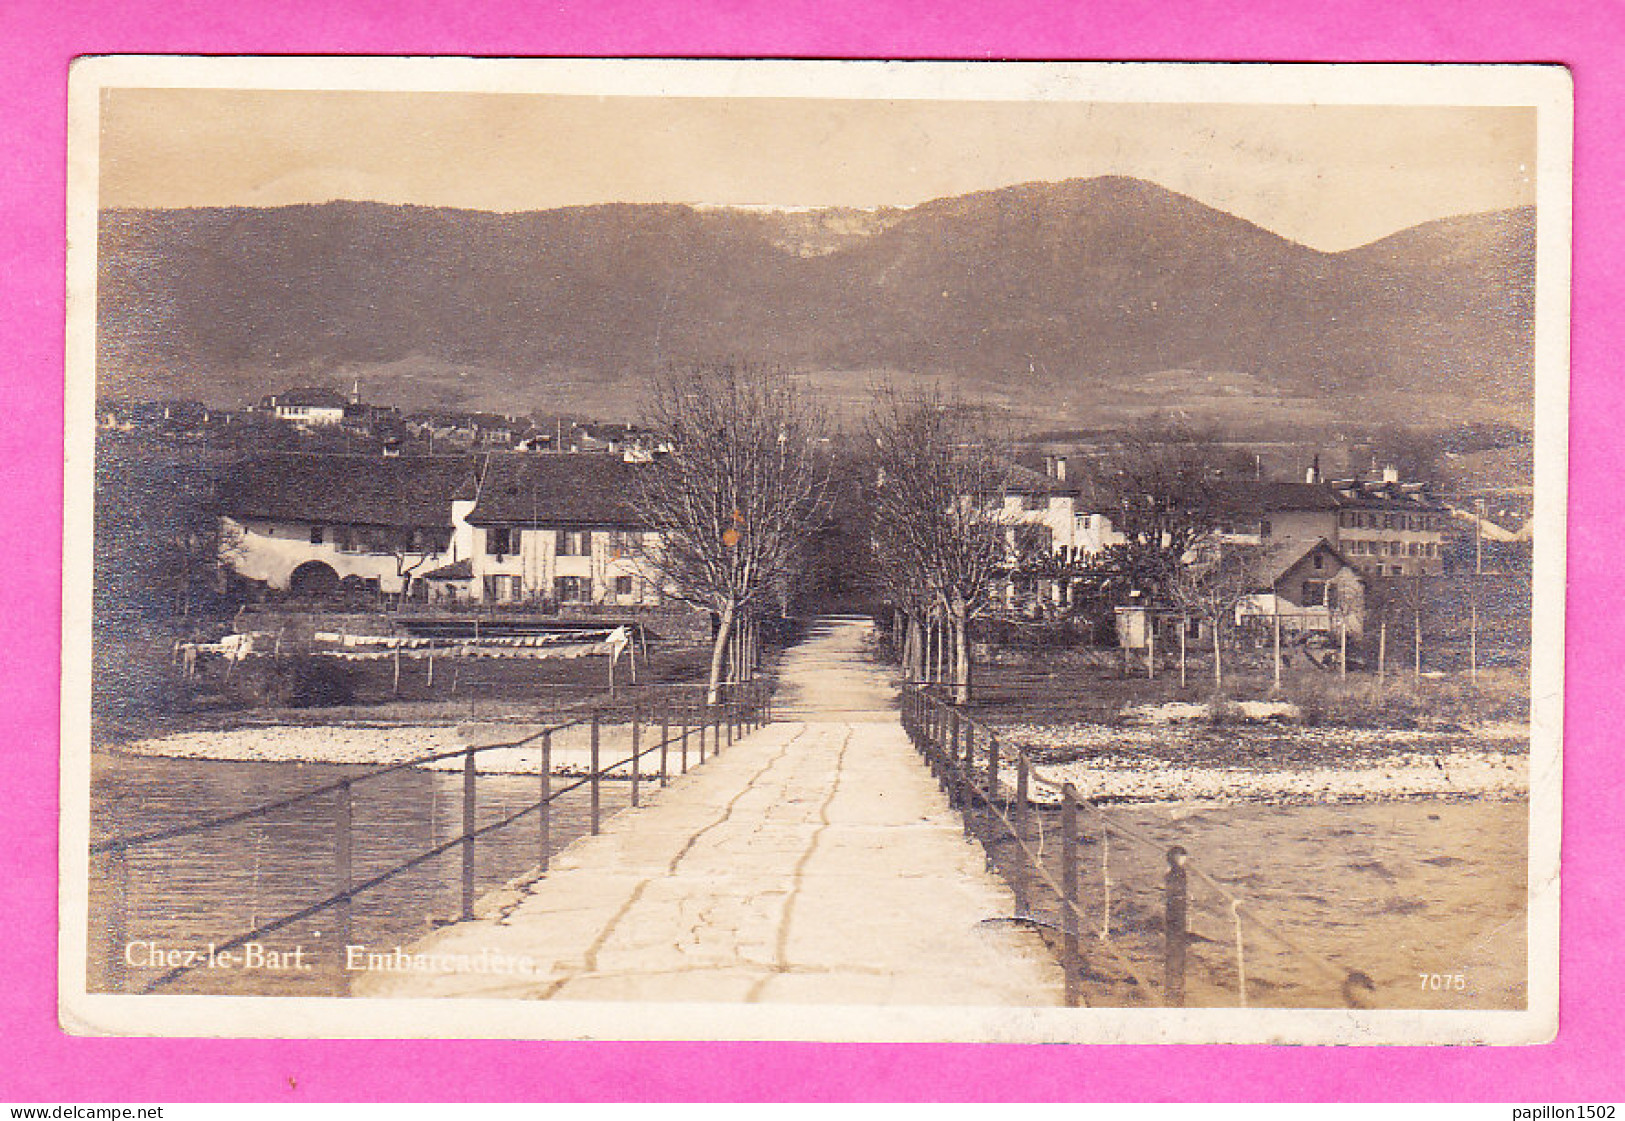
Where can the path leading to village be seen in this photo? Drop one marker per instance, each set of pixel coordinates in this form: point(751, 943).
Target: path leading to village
point(814, 861)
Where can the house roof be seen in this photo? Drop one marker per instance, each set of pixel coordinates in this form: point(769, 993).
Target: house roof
point(456, 570)
point(411, 491)
point(1373, 495)
point(1020, 479)
point(1274, 561)
point(579, 489)
point(1267, 496)
point(311, 396)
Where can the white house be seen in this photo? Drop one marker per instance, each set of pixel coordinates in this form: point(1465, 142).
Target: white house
point(499, 528)
point(561, 529)
point(307, 408)
point(304, 523)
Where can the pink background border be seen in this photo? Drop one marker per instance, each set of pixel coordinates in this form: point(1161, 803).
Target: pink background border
point(41, 1064)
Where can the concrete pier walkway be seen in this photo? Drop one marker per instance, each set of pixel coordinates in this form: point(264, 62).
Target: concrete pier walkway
point(815, 861)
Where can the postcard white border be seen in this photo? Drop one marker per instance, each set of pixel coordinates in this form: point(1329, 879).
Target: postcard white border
point(1547, 89)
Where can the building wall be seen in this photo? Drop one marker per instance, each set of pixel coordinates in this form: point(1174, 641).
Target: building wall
point(1056, 511)
point(310, 415)
point(1393, 543)
point(1306, 526)
point(271, 550)
point(536, 565)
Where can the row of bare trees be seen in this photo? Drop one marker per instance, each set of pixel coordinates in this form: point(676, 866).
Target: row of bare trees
point(749, 484)
point(938, 527)
point(733, 506)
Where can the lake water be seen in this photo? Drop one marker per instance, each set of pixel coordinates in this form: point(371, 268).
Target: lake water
point(209, 887)
point(1426, 897)
point(1402, 891)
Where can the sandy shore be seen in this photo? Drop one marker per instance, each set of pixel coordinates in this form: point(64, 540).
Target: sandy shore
point(371, 745)
point(1478, 774)
point(1247, 763)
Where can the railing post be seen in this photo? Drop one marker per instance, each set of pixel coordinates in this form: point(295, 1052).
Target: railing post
point(967, 775)
point(593, 781)
point(1174, 928)
point(1019, 822)
point(665, 740)
point(468, 835)
point(637, 744)
point(992, 769)
point(1070, 965)
point(683, 748)
point(118, 875)
point(728, 719)
point(941, 751)
point(545, 841)
point(343, 878)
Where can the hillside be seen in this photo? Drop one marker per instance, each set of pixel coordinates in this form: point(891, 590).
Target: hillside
point(1060, 301)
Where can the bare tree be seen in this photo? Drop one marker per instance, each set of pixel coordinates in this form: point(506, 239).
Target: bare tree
point(1160, 489)
point(731, 507)
point(939, 527)
point(1209, 588)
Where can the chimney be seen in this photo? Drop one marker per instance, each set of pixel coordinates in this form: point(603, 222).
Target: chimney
point(1060, 467)
point(1313, 474)
point(1049, 467)
point(1390, 474)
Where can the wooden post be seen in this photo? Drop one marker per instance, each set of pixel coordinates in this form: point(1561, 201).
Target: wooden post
point(1174, 928)
point(665, 742)
point(637, 743)
point(684, 747)
point(1342, 646)
point(545, 814)
point(1184, 625)
point(1472, 648)
point(343, 879)
point(1150, 647)
point(1416, 668)
point(1277, 618)
point(967, 774)
point(468, 835)
point(396, 687)
point(593, 773)
point(992, 769)
point(1023, 901)
point(429, 682)
point(1382, 653)
point(1070, 965)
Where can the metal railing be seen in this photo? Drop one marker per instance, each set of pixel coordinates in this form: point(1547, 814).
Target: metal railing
point(744, 707)
point(972, 765)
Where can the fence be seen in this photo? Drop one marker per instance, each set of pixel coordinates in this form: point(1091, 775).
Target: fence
point(745, 707)
point(994, 787)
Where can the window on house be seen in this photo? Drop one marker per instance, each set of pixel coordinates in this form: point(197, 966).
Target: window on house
point(497, 541)
point(623, 585)
point(1320, 561)
point(1264, 528)
point(317, 535)
point(573, 543)
point(572, 589)
point(1035, 502)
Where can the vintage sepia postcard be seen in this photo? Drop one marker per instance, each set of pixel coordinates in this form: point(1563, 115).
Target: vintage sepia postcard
point(608, 549)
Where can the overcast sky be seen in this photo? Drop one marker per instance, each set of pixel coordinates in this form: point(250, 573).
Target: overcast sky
point(1329, 176)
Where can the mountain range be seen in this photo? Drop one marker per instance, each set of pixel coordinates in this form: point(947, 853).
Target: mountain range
point(1071, 302)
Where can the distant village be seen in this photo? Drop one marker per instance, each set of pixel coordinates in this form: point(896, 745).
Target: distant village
point(332, 499)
